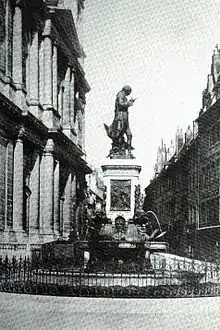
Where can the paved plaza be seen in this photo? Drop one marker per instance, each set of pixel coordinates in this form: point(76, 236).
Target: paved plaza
point(45, 312)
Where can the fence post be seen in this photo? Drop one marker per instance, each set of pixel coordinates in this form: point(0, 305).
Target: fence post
point(24, 268)
point(13, 268)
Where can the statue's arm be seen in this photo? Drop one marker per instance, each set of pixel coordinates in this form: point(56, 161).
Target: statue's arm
point(122, 100)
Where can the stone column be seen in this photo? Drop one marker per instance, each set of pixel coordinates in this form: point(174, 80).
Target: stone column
point(83, 129)
point(74, 200)
point(67, 207)
point(66, 101)
point(83, 104)
point(9, 187)
point(48, 76)
point(34, 78)
point(73, 187)
point(47, 189)
point(17, 47)
point(57, 199)
point(55, 76)
point(35, 196)
point(18, 182)
point(8, 39)
point(41, 72)
point(72, 95)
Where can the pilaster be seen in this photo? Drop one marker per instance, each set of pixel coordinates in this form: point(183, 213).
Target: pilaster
point(8, 39)
point(48, 73)
point(67, 207)
point(17, 47)
point(72, 105)
point(41, 72)
point(66, 101)
point(34, 78)
point(55, 76)
point(35, 196)
point(18, 182)
point(9, 187)
point(47, 189)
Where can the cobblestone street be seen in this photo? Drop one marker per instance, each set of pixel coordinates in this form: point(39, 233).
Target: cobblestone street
point(44, 312)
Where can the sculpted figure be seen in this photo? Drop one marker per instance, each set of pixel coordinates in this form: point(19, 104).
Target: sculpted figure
point(120, 125)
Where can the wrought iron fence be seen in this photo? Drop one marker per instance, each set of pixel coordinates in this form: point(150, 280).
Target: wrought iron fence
point(162, 280)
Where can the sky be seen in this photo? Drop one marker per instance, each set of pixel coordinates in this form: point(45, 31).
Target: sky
point(163, 50)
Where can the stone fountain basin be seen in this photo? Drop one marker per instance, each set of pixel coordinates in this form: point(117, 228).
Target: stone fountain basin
point(109, 244)
point(159, 246)
point(153, 246)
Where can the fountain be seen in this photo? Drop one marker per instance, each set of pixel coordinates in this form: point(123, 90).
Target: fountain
point(122, 248)
point(122, 240)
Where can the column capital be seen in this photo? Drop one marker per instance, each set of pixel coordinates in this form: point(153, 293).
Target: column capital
point(21, 134)
point(47, 32)
point(49, 149)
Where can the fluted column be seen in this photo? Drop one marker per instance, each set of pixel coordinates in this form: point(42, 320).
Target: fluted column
point(48, 73)
point(41, 72)
point(17, 47)
point(55, 76)
point(34, 77)
point(66, 101)
point(47, 189)
point(67, 207)
point(72, 95)
point(57, 199)
point(18, 182)
point(35, 195)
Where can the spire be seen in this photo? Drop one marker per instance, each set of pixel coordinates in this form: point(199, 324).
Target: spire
point(179, 140)
point(188, 135)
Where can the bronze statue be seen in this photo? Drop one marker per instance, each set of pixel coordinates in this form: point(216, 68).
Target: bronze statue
point(120, 125)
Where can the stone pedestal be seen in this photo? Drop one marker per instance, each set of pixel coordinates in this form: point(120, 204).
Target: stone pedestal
point(120, 177)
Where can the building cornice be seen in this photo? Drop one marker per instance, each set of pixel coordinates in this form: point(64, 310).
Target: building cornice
point(71, 154)
point(68, 36)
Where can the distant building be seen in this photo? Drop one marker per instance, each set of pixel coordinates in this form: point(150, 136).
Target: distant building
point(42, 126)
point(185, 190)
point(96, 191)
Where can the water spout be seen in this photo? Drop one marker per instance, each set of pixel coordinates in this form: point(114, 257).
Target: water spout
point(156, 219)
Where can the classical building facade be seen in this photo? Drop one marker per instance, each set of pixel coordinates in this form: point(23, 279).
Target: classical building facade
point(42, 127)
point(185, 190)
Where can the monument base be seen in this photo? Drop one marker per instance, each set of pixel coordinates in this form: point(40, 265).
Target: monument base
point(121, 176)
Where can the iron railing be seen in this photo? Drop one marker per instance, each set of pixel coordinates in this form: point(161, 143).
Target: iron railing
point(174, 279)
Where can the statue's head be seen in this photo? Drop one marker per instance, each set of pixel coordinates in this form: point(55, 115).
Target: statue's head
point(127, 89)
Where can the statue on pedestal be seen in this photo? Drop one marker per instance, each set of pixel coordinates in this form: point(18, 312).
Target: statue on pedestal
point(120, 126)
